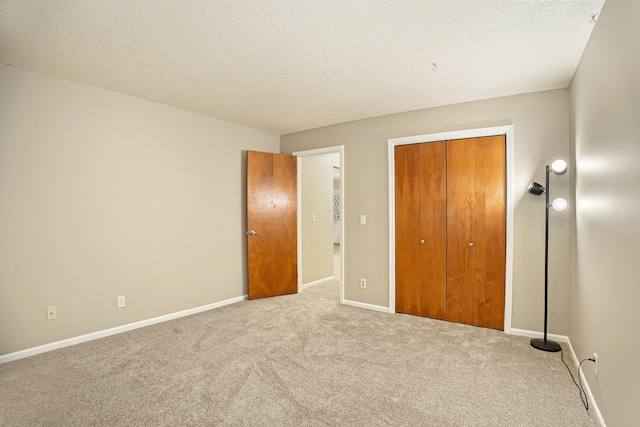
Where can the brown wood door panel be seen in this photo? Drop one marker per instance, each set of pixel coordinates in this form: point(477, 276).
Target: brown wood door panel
point(407, 203)
point(490, 229)
point(271, 213)
point(433, 229)
point(420, 206)
point(460, 231)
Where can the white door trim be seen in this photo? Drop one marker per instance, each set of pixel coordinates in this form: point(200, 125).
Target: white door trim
point(326, 150)
point(461, 134)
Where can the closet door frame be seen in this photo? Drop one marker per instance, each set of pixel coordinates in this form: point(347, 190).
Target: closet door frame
point(507, 131)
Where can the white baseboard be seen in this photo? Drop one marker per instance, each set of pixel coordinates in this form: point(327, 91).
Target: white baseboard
point(592, 403)
point(318, 282)
point(113, 331)
point(562, 338)
point(366, 306)
point(534, 334)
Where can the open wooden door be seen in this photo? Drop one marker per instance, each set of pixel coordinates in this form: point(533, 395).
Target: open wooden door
point(271, 224)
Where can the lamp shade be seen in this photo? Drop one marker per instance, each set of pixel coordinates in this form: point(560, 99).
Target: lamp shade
point(559, 167)
point(559, 204)
point(535, 188)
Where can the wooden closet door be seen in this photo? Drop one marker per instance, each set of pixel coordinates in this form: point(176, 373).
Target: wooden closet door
point(476, 241)
point(433, 229)
point(490, 226)
point(460, 231)
point(407, 206)
point(420, 209)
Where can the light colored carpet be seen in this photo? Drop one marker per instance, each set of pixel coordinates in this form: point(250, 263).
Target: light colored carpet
point(298, 360)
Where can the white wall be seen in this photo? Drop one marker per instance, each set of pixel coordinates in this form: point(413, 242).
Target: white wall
point(605, 105)
point(101, 195)
point(541, 134)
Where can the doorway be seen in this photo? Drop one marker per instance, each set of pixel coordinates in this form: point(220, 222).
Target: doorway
point(507, 131)
point(337, 219)
point(308, 218)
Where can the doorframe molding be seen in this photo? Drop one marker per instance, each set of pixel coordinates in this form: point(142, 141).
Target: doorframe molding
point(507, 131)
point(339, 149)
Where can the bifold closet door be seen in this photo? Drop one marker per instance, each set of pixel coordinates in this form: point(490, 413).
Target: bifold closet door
point(450, 215)
point(476, 231)
point(420, 210)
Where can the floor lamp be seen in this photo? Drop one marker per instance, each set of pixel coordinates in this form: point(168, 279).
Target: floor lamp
point(558, 167)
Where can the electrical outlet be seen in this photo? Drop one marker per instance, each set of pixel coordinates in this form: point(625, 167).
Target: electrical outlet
point(595, 364)
point(363, 283)
point(121, 301)
point(52, 313)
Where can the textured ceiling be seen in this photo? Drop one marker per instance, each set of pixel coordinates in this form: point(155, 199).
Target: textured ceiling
point(290, 65)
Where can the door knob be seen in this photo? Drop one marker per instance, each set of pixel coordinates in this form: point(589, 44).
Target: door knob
point(252, 233)
point(470, 244)
point(422, 242)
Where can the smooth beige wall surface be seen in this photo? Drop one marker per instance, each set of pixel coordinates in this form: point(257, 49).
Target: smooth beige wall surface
point(317, 199)
point(102, 195)
point(541, 134)
point(605, 103)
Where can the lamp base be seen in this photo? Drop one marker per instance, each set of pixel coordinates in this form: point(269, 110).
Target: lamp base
point(543, 345)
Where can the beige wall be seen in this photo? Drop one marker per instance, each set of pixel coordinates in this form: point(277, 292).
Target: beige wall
point(605, 101)
point(541, 134)
point(102, 195)
point(317, 199)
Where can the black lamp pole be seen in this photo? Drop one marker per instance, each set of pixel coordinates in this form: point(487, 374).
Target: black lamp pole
point(545, 344)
